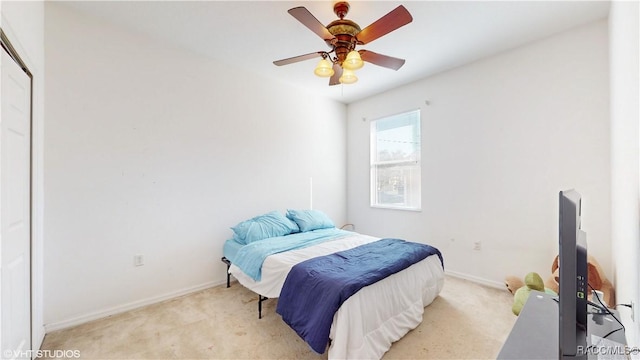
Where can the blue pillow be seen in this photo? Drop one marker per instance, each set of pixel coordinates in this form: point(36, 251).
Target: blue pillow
point(264, 226)
point(308, 220)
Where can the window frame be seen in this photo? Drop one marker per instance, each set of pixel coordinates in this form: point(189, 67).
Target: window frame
point(374, 165)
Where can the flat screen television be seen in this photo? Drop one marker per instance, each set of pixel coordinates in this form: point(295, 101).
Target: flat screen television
point(572, 278)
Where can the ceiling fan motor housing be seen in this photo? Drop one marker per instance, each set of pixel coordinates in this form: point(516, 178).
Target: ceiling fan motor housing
point(344, 31)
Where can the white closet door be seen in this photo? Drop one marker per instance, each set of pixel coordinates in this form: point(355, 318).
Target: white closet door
point(15, 212)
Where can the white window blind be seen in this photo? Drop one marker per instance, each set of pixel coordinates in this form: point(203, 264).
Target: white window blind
point(395, 161)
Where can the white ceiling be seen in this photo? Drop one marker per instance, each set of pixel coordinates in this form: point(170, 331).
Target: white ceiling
point(252, 34)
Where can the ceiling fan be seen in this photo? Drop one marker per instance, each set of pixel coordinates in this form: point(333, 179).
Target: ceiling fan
point(343, 36)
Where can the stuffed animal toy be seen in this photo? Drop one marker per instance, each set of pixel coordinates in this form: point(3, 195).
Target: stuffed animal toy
point(521, 290)
point(513, 283)
point(595, 277)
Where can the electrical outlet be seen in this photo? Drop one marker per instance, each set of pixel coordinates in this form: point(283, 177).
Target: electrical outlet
point(138, 260)
point(477, 245)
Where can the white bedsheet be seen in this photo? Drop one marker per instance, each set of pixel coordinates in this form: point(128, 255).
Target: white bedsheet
point(367, 323)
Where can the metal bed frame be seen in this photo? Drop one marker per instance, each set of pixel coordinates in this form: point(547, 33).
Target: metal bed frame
point(260, 297)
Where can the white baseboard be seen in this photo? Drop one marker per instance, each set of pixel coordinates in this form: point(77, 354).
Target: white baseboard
point(475, 279)
point(78, 320)
point(37, 337)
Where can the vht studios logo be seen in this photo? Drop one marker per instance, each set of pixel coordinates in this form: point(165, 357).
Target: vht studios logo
point(49, 354)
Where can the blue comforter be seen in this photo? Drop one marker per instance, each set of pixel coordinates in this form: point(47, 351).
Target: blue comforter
point(316, 288)
point(250, 257)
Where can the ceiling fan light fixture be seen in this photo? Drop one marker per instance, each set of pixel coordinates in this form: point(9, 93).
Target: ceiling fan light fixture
point(324, 68)
point(353, 61)
point(348, 77)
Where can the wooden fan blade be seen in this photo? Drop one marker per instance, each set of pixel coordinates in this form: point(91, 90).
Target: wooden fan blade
point(295, 59)
point(307, 19)
point(337, 72)
point(386, 24)
point(381, 60)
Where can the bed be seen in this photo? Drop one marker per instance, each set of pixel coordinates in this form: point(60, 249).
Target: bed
point(367, 322)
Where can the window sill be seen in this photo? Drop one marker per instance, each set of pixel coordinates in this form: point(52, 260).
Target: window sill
point(390, 207)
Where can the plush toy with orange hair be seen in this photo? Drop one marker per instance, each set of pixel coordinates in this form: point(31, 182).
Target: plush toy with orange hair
point(595, 277)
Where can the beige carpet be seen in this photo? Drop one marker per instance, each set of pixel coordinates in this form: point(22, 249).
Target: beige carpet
point(467, 321)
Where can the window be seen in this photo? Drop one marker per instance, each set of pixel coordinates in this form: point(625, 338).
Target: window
point(395, 161)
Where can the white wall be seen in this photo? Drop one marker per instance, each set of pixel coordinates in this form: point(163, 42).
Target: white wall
point(23, 23)
point(501, 137)
point(625, 158)
point(156, 151)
